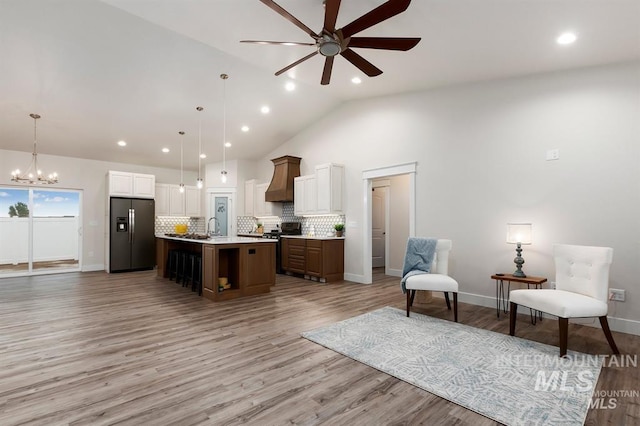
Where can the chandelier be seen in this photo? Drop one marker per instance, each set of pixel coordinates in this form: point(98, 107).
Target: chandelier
point(33, 175)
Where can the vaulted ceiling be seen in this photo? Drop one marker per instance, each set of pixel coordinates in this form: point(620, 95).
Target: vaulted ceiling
point(135, 70)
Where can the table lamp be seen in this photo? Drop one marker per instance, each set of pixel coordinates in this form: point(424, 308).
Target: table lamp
point(519, 233)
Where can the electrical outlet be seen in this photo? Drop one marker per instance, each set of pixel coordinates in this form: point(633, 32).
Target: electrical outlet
point(616, 295)
point(553, 154)
point(552, 285)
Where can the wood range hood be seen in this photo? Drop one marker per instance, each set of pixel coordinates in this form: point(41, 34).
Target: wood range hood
point(285, 169)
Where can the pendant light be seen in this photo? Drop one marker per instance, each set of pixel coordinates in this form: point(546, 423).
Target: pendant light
point(199, 182)
point(181, 133)
point(223, 173)
point(33, 175)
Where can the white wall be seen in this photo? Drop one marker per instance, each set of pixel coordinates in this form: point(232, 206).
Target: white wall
point(90, 177)
point(480, 150)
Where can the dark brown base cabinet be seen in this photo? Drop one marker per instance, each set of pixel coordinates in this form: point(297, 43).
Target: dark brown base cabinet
point(250, 268)
point(314, 258)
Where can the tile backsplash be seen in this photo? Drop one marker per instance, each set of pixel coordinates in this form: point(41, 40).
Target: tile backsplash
point(166, 224)
point(320, 225)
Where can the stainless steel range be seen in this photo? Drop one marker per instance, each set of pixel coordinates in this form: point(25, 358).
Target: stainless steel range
point(287, 228)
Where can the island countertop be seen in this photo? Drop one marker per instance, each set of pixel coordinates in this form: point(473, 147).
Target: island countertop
point(219, 240)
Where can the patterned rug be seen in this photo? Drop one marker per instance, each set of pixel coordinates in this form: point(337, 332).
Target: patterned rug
point(511, 380)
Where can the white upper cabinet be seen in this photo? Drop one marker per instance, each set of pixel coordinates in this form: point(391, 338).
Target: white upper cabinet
point(162, 199)
point(320, 193)
point(134, 185)
point(249, 197)
point(171, 202)
point(254, 202)
point(329, 182)
point(192, 197)
point(264, 208)
point(176, 201)
point(305, 195)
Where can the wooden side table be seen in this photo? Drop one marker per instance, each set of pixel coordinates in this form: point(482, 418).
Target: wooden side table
point(503, 298)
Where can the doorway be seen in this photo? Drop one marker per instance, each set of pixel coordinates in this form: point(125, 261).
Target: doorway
point(369, 176)
point(44, 228)
point(379, 225)
point(221, 212)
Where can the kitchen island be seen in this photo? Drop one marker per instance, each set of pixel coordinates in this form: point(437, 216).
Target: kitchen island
point(247, 264)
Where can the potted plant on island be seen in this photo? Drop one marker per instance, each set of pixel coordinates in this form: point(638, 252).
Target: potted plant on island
point(339, 227)
point(259, 228)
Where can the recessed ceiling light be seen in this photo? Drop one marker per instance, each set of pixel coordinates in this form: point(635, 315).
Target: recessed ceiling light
point(227, 144)
point(122, 143)
point(290, 86)
point(356, 80)
point(566, 38)
point(265, 109)
point(245, 128)
point(165, 150)
point(203, 155)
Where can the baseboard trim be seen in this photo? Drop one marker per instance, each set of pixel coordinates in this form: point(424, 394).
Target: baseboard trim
point(355, 278)
point(93, 268)
point(621, 325)
point(394, 272)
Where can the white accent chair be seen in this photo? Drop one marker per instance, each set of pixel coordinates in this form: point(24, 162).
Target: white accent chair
point(436, 280)
point(582, 289)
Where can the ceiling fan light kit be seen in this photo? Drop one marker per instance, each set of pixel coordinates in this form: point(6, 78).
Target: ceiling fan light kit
point(331, 42)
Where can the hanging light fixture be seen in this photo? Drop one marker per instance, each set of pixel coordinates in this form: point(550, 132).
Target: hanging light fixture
point(181, 133)
point(223, 173)
point(33, 175)
point(199, 182)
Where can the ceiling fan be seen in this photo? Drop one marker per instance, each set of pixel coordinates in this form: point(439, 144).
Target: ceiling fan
point(331, 42)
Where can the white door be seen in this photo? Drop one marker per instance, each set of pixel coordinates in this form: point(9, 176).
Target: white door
point(222, 213)
point(378, 230)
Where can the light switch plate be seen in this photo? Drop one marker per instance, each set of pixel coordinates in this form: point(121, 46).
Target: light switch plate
point(553, 154)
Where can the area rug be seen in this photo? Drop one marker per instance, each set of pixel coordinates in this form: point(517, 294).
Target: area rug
point(508, 379)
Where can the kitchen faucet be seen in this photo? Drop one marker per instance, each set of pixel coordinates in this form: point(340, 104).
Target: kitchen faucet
point(217, 229)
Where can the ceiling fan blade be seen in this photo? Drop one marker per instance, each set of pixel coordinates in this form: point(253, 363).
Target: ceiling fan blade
point(283, 43)
point(386, 43)
point(326, 72)
point(361, 63)
point(381, 13)
point(273, 5)
point(331, 8)
point(298, 62)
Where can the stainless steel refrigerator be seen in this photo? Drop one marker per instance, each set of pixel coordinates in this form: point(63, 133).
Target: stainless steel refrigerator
point(132, 242)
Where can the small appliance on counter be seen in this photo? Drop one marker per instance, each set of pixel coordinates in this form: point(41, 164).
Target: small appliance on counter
point(287, 228)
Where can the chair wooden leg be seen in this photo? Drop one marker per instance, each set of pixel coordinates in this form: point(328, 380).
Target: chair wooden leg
point(513, 310)
point(408, 301)
point(413, 296)
point(455, 307)
point(563, 324)
point(446, 298)
point(607, 332)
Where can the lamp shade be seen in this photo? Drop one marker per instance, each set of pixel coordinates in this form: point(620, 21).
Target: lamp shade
point(519, 233)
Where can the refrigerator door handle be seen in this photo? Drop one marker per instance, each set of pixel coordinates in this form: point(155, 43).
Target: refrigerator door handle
point(132, 224)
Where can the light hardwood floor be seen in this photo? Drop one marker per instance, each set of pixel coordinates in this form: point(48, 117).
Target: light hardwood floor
point(134, 349)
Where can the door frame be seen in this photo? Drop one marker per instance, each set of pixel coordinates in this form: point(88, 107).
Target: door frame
point(368, 176)
point(80, 228)
point(231, 194)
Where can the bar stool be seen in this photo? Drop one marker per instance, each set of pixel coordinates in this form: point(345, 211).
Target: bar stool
point(196, 274)
point(183, 260)
point(173, 259)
